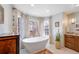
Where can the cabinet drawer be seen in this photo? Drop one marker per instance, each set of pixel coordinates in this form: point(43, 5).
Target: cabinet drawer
point(68, 36)
point(69, 45)
point(6, 38)
point(69, 40)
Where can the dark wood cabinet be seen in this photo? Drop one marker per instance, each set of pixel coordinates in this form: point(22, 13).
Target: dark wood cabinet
point(9, 44)
point(72, 42)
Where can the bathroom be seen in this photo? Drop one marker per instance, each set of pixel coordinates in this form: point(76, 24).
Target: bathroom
point(36, 27)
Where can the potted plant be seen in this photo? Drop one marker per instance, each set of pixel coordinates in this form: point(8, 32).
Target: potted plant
point(58, 40)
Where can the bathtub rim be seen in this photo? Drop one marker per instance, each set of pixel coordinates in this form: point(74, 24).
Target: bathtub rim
point(26, 41)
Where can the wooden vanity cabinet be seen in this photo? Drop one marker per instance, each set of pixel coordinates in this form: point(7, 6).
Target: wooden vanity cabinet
point(9, 44)
point(72, 42)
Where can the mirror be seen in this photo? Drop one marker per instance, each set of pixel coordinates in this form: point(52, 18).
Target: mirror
point(1, 15)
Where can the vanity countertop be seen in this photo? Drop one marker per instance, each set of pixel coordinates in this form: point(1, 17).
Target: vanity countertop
point(3, 35)
point(73, 34)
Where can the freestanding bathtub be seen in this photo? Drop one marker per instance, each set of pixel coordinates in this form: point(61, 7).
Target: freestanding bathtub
point(35, 43)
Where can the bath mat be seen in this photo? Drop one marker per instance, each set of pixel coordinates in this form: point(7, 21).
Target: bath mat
point(44, 51)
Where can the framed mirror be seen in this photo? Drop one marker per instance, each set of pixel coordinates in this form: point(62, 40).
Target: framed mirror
point(1, 15)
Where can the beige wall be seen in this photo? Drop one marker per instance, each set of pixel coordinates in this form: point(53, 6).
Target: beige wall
point(72, 27)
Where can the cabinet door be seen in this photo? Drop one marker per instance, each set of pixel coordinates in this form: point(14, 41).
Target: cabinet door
point(12, 46)
point(72, 42)
point(76, 47)
point(3, 47)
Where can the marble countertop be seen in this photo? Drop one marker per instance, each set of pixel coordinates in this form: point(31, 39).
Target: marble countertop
point(2, 35)
point(74, 34)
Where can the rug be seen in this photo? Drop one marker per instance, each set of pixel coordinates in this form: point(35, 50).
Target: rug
point(44, 51)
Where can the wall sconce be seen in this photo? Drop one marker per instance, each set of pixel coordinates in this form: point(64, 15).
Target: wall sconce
point(73, 20)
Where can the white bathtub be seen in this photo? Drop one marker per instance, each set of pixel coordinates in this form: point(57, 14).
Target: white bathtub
point(35, 43)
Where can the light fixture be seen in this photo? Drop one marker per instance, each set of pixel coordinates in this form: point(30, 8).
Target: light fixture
point(19, 16)
point(32, 5)
point(47, 10)
point(73, 20)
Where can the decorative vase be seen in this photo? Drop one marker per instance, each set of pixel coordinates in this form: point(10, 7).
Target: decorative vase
point(58, 44)
point(58, 40)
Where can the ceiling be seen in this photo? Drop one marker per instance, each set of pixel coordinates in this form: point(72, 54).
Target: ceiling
point(43, 10)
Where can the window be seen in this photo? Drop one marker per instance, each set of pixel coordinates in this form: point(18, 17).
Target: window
point(46, 27)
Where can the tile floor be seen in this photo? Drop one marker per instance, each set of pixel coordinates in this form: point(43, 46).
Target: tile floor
point(63, 50)
point(53, 50)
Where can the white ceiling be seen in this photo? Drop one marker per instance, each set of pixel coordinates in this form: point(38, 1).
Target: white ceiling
point(43, 10)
